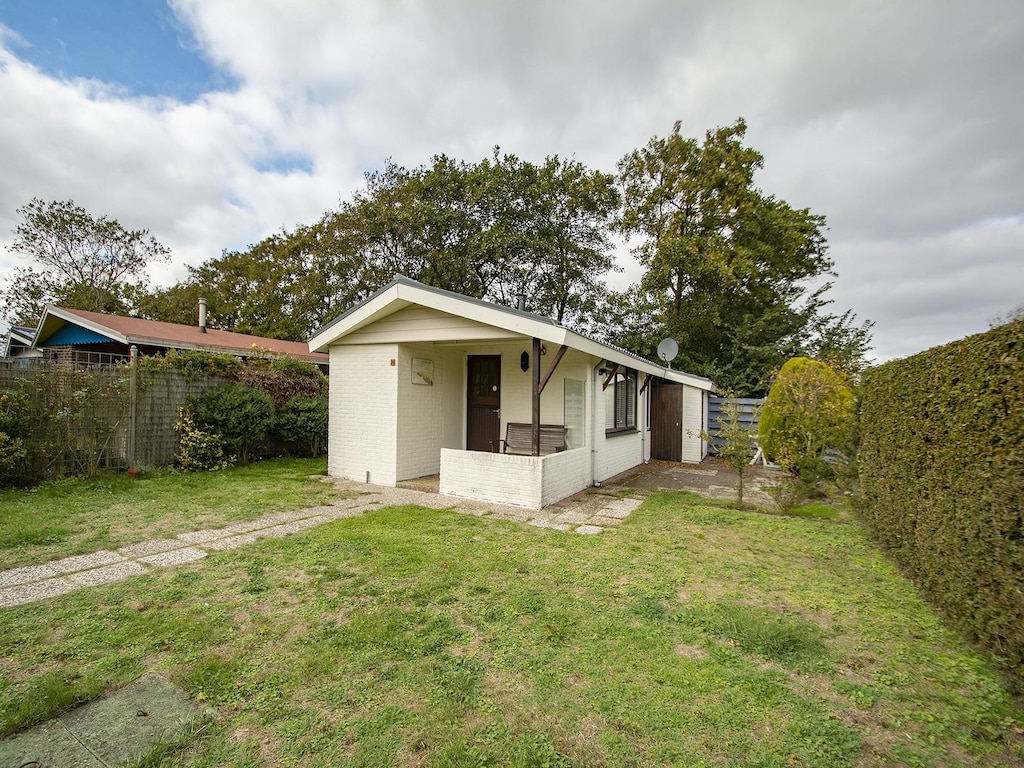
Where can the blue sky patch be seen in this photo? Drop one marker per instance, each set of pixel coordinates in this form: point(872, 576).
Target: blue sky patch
point(137, 45)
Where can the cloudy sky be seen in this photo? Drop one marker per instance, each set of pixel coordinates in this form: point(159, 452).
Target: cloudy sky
point(214, 123)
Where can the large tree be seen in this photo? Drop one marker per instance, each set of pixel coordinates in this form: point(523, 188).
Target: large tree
point(81, 261)
point(284, 286)
point(495, 229)
point(727, 266)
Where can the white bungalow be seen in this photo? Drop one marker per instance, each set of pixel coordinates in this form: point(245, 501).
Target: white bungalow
point(504, 405)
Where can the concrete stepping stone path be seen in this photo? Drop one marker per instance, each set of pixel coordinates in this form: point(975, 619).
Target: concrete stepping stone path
point(586, 514)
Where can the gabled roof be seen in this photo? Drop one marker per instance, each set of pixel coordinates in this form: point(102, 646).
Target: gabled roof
point(16, 336)
point(133, 330)
point(404, 292)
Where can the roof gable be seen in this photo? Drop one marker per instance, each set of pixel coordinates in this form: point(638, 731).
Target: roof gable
point(354, 326)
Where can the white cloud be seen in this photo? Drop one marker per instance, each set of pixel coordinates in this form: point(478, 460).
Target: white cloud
point(899, 121)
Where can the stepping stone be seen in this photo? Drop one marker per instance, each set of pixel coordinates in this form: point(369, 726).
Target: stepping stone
point(548, 523)
point(25, 574)
point(177, 557)
point(604, 521)
point(40, 590)
point(108, 574)
point(84, 562)
point(149, 547)
point(588, 530)
point(201, 537)
point(573, 516)
point(232, 542)
point(620, 508)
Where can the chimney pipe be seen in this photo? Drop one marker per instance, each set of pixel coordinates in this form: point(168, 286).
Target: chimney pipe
point(202, 315)
point(521, 302)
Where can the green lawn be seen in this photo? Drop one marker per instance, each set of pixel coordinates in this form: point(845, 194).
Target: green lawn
point(691, 635)
point(80, 515)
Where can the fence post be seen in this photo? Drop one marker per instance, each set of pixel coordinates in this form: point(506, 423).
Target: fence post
point(132, 387)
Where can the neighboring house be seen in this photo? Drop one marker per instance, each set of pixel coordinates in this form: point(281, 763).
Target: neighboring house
point(426, 382)
point(97, 337)
point(18, 343)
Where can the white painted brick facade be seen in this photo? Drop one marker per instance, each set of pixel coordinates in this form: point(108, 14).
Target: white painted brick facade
point(524, 481)
point(383, 424)
point(363, 413)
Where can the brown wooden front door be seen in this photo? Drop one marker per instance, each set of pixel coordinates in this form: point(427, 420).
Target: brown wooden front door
point(666, 421)
point(483, 403)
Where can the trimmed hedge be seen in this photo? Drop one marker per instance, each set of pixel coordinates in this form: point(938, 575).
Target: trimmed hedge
point(942, 477)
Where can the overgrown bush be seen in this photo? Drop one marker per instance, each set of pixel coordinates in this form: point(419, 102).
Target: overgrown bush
point(241, 416)
point(942, 480)
point(198, 450)
point(302, 425)
point(13, 425)
point(808, 415)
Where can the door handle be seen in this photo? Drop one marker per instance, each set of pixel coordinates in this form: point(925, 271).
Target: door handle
point(497, 411)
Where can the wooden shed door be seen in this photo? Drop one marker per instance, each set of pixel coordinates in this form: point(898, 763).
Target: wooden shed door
point(483, 403)
point(667, 421)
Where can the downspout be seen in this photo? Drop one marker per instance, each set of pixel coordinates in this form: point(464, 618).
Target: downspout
point(593, 426)
point(644, 425)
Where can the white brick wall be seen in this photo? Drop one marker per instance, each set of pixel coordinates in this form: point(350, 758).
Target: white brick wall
point(564, 474)
point(427, 413)
point(524, 481)
point(363, 413)
point(494, 477)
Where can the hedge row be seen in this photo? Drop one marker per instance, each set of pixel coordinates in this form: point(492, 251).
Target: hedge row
point(942, 475)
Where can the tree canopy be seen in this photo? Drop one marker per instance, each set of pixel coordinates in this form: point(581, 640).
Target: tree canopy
point(494, 229)
point(81, 262)
point(728, 267)
point(736, 276)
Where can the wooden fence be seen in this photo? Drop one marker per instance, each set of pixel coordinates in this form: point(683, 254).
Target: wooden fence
point(84, 418)
point(749, 409)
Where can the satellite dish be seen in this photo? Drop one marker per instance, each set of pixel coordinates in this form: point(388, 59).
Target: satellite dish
point(667, 350)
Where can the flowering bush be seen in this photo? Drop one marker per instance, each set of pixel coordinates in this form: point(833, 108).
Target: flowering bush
point(198, 450)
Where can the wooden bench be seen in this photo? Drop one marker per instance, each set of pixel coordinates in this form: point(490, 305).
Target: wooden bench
point(519, 438)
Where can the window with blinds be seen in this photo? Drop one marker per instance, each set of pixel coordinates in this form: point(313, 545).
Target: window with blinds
point(621, 410)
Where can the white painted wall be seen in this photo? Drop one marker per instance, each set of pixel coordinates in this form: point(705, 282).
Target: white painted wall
point(494, 477)
point(621, 451)
point(564, 474)
point(428, 415)
point(422, 324)
point(694, 410)
point(523, 481)
point(363, 413)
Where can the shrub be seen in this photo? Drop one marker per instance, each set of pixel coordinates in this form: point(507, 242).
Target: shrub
point(240, 416)
point(942, 479)
point(198, 450)
point(809, 410)
point(13, 424)
point(302, 425)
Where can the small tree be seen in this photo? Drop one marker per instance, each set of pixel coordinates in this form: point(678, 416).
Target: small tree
point(809, 410)
point(738, 443)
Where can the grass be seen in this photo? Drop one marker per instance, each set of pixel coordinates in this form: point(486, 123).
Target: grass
point(692, 635)
point(80, 515)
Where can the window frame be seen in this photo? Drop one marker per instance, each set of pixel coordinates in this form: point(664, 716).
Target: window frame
point(625, 384)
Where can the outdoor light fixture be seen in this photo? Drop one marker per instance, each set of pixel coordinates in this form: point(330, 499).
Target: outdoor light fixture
point(524, 361)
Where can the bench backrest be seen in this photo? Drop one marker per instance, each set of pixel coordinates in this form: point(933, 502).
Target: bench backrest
point(519, 438)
